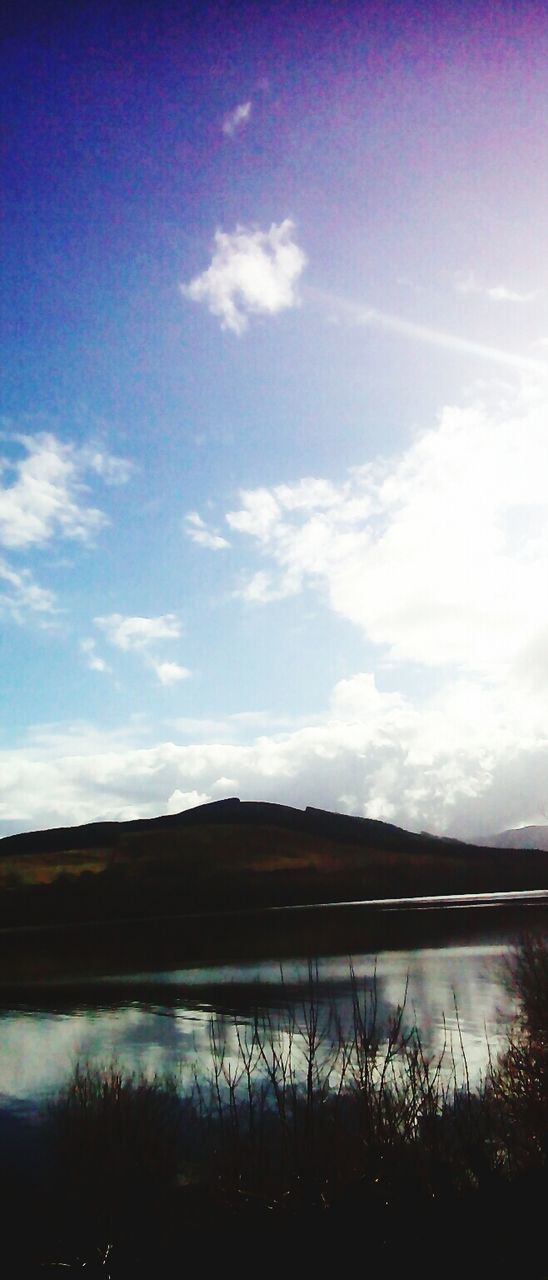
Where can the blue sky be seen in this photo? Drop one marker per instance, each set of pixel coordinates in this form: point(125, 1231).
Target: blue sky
point(273, 445)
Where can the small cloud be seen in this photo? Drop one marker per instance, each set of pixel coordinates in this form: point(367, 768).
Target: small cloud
point(112, 470)
point(180, 800)
point(136, 632)
point(22, 595)
point(197, 529)
point(237, 119)
point(501, 294)
point(251, 273)
point(262, 588)
point(467, 284)
point(170, 672)
point(93, 661)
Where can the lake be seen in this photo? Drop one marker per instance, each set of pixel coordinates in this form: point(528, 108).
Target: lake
point(158, 1019)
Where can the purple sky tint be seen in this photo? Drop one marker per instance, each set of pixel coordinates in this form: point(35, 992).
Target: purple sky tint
point(275, 330)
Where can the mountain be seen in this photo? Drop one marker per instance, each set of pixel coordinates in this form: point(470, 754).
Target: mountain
point(532, 837)
point(233, 855)
point(225, 813)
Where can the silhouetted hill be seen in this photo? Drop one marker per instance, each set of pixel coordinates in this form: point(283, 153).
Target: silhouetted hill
point(164, 891)
point(232, 855)
point(249, 813)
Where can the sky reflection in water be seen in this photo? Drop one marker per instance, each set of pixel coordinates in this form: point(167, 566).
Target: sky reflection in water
point(39, 1047)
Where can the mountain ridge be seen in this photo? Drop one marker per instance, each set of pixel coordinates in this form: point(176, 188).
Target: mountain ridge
point(247, 812)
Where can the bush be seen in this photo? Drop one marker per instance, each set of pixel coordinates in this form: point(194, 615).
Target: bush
point(519, 1082)
point(115, 1133)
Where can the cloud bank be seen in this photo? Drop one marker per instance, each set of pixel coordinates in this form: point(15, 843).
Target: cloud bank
point(463, 762)
point(439, 557)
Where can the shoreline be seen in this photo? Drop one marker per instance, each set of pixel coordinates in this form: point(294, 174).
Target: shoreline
point(38, 957)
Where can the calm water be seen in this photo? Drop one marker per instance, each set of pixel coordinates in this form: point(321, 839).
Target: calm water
point(160, 1021)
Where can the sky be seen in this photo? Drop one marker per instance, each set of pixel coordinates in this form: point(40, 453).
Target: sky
point(273, 425)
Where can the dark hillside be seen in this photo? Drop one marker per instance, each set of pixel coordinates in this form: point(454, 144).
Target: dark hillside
point(249, 813)
point(233, 855)
point(196, 883)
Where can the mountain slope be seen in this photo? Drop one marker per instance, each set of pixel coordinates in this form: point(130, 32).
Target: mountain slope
point(233, 855)
point(531, 837)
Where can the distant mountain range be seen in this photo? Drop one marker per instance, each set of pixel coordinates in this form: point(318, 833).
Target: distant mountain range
point(532, 837)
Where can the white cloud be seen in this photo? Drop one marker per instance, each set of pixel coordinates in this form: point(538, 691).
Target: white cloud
point(237, 119)
point(43, 497)
point(251, 273)
point(20, 595)
point(440, 556)
point(42, 494)
point(467, 759)
point(500, 293)
point(170, 672)
point(181, 800)
point(138, 632)
point(39, 500)
point(200, 533)
point(93, 661)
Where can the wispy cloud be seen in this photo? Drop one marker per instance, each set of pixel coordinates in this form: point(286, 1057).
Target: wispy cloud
point(125, 632)
point(20, 595)
point(139, 635)
point(202, 534)
point(251, 273)
point(93, 661)
point(360, 314)
point(467, 284)
point(236, 120)
point(111, 469)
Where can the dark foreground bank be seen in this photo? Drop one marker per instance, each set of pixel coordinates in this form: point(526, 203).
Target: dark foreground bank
point(297, 1141)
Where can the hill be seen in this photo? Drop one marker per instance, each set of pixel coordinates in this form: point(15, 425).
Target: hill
point(233, 855)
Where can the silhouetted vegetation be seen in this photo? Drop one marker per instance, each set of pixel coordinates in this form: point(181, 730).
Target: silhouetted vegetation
point(313, 1121)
